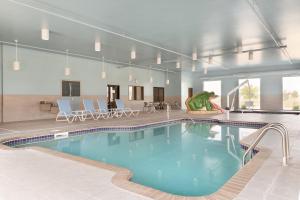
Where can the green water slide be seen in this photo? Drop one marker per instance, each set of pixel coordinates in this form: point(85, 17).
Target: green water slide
point(200, 101)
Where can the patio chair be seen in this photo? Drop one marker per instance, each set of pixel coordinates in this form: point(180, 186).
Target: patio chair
point(121, 109)
point(65, 112)
point(106, 113)
point(90, 109)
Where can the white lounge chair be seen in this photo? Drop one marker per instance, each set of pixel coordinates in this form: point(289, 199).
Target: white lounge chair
point(90, 109)
point(65, 112)
point(107, 113)
point(121, 109)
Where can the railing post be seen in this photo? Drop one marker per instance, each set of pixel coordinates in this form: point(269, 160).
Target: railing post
point(284, 141)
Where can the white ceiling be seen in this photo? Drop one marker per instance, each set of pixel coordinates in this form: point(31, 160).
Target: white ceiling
point(211, 26)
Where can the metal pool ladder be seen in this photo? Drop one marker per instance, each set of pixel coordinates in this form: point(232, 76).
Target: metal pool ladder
point(284, 138)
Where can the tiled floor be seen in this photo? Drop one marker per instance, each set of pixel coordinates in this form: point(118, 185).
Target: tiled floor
point(30, 174)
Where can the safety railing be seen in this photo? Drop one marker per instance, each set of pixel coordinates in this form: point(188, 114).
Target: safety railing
point(278, 127)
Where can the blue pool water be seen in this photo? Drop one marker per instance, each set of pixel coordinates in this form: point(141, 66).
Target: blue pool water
point(181, 158)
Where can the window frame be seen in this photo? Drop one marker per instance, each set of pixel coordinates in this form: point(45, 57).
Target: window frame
point(70, 90)
point(259, 91)
point(159, 88)
point(134, 93)
point(220, 95)
point(282, 94)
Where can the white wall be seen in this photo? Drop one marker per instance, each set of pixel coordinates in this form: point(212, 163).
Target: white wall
point(41, 75)
point(186, 82)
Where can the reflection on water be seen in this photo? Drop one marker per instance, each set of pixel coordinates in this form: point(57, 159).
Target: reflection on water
point(139, 135)
point(113, 139)
point(182, 158)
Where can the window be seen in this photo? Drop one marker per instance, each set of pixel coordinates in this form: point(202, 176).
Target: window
point(252, 95)
point(290, 94)
point(70, 88)
point(213, 86)
point(158, 94)
point(136, 93)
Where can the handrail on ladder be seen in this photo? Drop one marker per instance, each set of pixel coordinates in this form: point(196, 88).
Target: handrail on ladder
point(285, 141)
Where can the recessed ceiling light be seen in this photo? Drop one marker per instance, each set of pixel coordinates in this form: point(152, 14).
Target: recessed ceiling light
point(45, 33)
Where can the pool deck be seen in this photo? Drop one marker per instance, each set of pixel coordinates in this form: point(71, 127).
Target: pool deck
point(35, 174)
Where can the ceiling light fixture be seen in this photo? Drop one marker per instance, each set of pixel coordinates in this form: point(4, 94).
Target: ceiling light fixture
point(103, 73)
point(193, 67)
point(16, 63)
point(150, 74)
point(97, 45)
point(130, 78)
point(178, 64)
point(194, 55)
point(250, 56)
point(67, 68)
point(158, 59)
point(167, 81)
point(133, 54)
point(45, 33)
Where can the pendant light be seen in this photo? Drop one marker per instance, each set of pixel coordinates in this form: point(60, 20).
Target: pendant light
point(158, 59)
point(150, 75)
point(103, 73)
point(178, 64)
point(45, 33)
point(133, 54)
point(67, 68)
point(167, 81)
point(97, 45)
point(194, 55)
point(16, 63)
point(130, 78)
point(193, 67)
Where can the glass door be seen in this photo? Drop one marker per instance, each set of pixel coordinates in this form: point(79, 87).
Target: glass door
point(113, 93)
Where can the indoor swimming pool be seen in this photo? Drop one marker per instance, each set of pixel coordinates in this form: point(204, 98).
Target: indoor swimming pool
point(182, 158)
